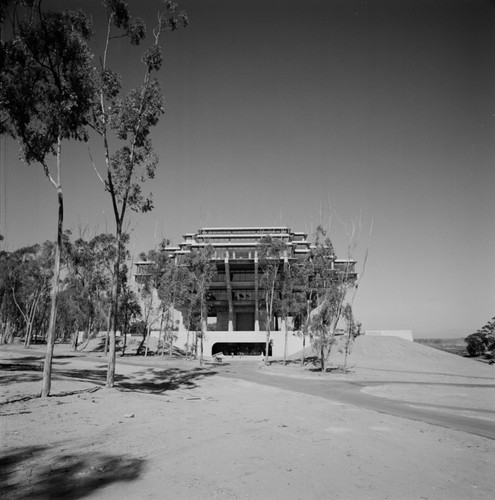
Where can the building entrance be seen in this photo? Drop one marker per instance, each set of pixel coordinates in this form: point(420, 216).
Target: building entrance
point(240, 349)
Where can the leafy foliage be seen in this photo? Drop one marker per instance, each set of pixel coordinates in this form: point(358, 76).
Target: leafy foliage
point(89, 277)
point(482, 342)
point(127, 117)
point(25, 283)
point(326, 287)
point(201, 272)
point(271, 253)
point(46, 93)
point(46, 81)
point(130, 115)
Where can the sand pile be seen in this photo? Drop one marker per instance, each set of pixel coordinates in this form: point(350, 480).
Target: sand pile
point(393, 353)
point(373, 354)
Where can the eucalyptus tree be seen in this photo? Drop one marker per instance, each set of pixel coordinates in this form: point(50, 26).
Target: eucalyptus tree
point(353, 330)
point(26, 287)
point(174, 287)
point(152, 309)
point(201, 269)
point(89, 275)
point(292, 301)
point(12, 320)
point(129, 310)
point(482, 341)
point(324, 323)
point(71, 316)
point(314, 273)
point(25, 284)
point(46, 92)
point(328, 286)
point(9, 313)
point(124, 119)
point(271, 254)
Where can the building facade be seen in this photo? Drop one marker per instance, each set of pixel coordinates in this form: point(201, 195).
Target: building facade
point(236, 312)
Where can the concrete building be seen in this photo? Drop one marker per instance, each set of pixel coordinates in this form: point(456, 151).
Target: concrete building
point(236, 311)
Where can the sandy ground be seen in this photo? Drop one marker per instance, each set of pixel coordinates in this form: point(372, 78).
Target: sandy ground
point(171, 430)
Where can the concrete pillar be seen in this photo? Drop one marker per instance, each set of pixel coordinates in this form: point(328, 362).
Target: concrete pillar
point(283, 325)
point(229, 293)
point(256, 294)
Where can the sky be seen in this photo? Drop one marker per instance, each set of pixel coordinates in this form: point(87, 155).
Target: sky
point(301, 112)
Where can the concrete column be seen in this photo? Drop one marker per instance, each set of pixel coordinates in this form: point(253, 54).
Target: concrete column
point(229, 293)
point(283, 325)
point(256, 294)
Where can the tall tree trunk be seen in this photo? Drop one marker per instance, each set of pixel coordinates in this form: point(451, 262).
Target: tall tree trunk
point(161, 335)
point(31, 315)
point(107, 334)
point(303, 348)
point(285, 340)
point(347, 347)
point(165, 332)
point(148, 334)
point(125, 330)
point(27, 319)
point(76, 339)
point(6, 337)
point(187, 344)
point(114, 310)
point(50, 343)
point(306, 330)
point(89, 328)
point(268, 326)
point(124, 345)
point(203, 331)
point(27, 338)
point(171, 340)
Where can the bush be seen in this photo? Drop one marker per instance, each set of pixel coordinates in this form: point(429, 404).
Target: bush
point(482, 342)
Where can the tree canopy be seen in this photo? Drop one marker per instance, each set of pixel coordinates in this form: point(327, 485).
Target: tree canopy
point(47, 90)
point(482, 341)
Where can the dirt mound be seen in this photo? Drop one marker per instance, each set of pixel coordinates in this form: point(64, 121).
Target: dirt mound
point(394, 353)
point(400, 354)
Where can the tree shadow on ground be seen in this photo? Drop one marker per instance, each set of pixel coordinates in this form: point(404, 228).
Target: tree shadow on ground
point(21, 366)
point(156, 381)
point(150, 380)
point(20, 371)
point(288, 362)
point(20, 377)
point(97, 376)
point(24, 358)
point(34, 472)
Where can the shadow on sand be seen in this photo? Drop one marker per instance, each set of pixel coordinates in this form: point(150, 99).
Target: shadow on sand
point(148, 380)
point(37, 472)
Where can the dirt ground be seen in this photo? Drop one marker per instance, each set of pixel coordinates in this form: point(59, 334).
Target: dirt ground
point(170, 430)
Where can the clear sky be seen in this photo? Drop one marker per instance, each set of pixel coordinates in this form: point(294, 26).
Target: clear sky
point(279, 109)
